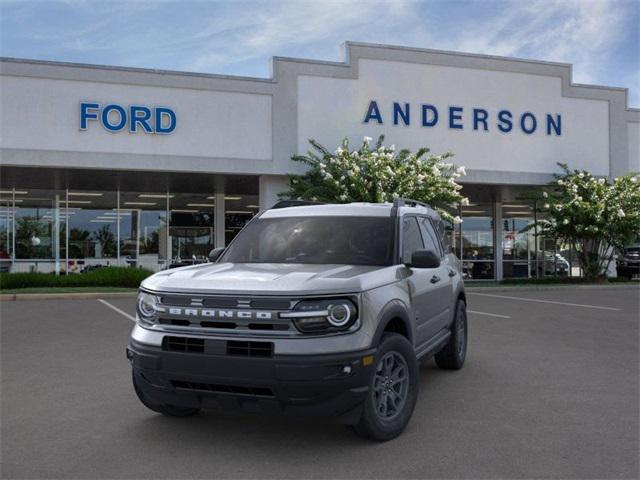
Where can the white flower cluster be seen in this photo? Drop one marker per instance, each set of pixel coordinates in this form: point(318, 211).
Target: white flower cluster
point(379, 174)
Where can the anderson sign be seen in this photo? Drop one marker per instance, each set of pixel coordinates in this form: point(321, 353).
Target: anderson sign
point(460, 118)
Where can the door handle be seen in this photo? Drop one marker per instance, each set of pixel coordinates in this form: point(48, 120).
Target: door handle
point(435, 279)
point(452, 272)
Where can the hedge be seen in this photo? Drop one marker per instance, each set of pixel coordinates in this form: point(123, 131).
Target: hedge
point(563, 281)
point(126, 277)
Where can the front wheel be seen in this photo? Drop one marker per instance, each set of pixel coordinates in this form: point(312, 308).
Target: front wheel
point(393, 390)
point(452, 356)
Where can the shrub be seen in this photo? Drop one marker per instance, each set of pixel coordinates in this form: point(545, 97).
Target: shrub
point(125, 277)
point(377, 174)
point(548, 281)
point(593, 215)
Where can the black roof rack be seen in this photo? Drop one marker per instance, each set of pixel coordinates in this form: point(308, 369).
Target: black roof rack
point(295, 203)
point(407, 202)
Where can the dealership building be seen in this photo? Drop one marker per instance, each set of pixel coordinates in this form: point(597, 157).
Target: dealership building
point(124, 166)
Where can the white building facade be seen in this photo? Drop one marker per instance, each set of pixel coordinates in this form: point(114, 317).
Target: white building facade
point(119, 166)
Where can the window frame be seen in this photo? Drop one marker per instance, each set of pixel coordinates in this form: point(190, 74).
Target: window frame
point(401, 239)
point(436, 238)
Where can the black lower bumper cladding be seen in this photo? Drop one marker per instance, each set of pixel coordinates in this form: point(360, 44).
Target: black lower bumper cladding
point(215, 378)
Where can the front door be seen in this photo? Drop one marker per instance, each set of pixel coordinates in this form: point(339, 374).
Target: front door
point(442, 300)
point(424, 284)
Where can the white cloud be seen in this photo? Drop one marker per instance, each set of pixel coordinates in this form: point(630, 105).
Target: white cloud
point(278, 25)
point(581, 32)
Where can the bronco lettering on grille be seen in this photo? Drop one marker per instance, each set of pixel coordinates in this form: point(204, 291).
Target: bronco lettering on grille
point(216, 313)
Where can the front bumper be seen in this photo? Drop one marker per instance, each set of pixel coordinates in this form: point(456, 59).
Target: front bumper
point(311, 385)
point(628, 269)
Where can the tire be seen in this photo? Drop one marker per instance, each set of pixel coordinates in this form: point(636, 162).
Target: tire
point(168, 410)
point(452, 356)
point(395, 352)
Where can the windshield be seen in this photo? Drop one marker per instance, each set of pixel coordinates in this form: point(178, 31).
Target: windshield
point(337, 240)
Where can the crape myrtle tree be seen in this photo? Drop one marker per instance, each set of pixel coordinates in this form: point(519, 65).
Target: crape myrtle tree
point(377, 173)
point(595, 216)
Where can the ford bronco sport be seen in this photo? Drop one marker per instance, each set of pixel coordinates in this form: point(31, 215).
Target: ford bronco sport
point(311, 310)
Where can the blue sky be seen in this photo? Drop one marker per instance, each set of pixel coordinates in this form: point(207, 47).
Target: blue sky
point(600, 38)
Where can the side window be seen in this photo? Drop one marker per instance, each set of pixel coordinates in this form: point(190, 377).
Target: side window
point(430, 239)
point(411, 238)
point(441, 232)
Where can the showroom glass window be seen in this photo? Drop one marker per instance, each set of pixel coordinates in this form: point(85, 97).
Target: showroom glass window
point(6, 228)
point(144, 229)
point(191, 227)
point(477, 231)
point(92, 230)
point(239, 209)
point(518, 240)
point(39, 229)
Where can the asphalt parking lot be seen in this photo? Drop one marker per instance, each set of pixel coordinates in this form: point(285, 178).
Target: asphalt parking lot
point(550, 389)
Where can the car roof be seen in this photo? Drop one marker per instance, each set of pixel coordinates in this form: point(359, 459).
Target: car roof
point(348, 209)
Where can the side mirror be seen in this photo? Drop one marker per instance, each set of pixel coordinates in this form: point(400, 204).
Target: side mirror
point(215, 254)
point(424, 259)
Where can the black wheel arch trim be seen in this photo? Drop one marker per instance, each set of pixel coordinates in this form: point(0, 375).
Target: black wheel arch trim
point(392, 310)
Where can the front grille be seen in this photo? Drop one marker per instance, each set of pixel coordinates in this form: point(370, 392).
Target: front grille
point(268, 326)
point(250, 349)
point(227, 314)
point(215, 388)
point(217, 347)
point(231, 325)
point(209, 302)
point(183, 344)
point(227, 302)
point(271, 303)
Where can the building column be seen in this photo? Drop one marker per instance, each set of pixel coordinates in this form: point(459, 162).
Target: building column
point(270, 186)
point(55, 244)
point(497, 239)
point(219, 220)
point(117, 227)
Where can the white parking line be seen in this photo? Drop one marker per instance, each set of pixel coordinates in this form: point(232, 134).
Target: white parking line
point(488, 314)
point(116, 309)
point(523, 299)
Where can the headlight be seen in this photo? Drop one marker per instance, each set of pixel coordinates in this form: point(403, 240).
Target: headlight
point(146, 307)
point(340, 313)
point(324, 315)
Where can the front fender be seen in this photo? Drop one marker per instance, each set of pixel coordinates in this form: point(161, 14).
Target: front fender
point(395, 309)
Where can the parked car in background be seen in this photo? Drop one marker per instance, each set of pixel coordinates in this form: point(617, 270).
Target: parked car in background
point(554, 264)
point(5, 261)
point(184, 262)
point(628, 262)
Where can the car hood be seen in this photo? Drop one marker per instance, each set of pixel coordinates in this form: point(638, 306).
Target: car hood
point(271, 279)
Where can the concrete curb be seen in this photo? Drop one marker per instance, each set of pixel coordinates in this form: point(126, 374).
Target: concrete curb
point(514, 288)
point(65, 296)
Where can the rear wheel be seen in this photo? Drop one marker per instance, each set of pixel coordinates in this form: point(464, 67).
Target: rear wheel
point(393, 390)
point(452, 356)
point(169, 410)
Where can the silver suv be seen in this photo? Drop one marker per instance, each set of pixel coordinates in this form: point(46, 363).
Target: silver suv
point(311, 310)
